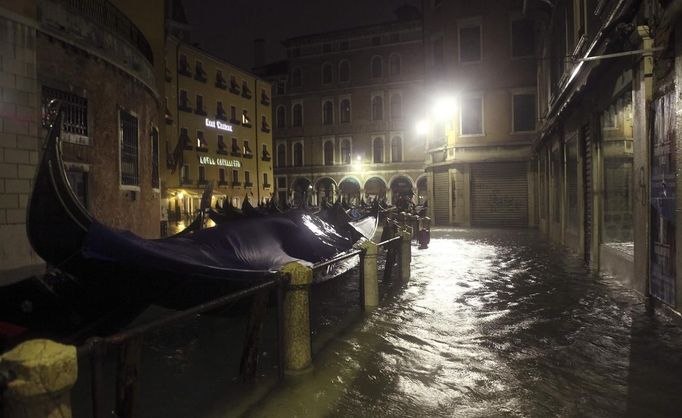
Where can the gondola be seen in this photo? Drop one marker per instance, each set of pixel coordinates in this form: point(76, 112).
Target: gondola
point(109, 268)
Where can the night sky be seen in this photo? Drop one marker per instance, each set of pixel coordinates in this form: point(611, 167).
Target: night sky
point(227, 28)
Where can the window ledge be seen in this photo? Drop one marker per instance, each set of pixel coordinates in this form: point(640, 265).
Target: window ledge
point(129, 187)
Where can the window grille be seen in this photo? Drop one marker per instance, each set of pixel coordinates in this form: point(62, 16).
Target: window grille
point(129, 149)
point(74, 111)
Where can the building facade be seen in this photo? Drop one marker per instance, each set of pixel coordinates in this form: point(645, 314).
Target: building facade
point(99, 65)
point(606, 156)
point(344, 106)
point(480, 112)
point(218, 129)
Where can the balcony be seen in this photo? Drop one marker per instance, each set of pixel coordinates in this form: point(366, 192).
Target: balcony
point(234, 87)
point(248, 184)
point(264, 99)
point(236, 183)
point(266, 185)
point(246, 93)
point(184, 69)
point(185, 106)
point(186, 182)
point(100, 28)
point(200, 111)
point(200, 75)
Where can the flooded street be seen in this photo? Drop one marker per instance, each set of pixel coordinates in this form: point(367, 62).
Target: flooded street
point(495, 323)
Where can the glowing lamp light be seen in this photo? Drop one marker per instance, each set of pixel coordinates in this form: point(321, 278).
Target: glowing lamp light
point(357, 165)
point(180, 195)
point(422, 127)
point(444, 108)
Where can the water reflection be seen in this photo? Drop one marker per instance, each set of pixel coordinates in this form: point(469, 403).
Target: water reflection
point(496, 323)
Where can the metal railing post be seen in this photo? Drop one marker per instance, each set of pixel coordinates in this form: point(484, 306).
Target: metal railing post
point(97, 375)
point(127, 372)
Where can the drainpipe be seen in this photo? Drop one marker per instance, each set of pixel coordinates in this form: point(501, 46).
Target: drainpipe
point(255, 123)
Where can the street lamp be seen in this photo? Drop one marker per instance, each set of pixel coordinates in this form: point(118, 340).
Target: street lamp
point(357, 165)
point(444, 108)
point(423, 126)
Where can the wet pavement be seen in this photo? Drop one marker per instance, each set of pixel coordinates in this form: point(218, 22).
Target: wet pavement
point(494, 323)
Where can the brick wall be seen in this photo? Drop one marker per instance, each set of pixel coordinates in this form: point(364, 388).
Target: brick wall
point(107, 90)
point(19, 116)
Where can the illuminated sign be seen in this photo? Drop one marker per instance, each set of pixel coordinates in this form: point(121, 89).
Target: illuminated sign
point(222, 162)
point(218, 125)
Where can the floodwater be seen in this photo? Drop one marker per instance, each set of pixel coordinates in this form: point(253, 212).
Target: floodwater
point(492, 323)
point(495, 323)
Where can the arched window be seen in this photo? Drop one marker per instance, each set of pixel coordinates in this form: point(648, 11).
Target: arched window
point(298, 154)
point(377, 70)
point(344, 71)
point(345, 151)
point(345, 111)
point(296, 77)
point(281, 155)
point(396, 149)
point(326, 73)
point(396, 106)
point(281, 117)
point(297, 115)
point(378, 148)
point(329, 153)
point(377, 108)
point(394, 65)
point(327, 113)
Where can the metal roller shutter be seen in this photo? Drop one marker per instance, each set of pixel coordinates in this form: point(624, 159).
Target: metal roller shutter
point(441, 192)
point(499, 194)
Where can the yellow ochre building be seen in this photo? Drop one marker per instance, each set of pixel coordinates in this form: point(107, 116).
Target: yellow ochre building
point(218, 129)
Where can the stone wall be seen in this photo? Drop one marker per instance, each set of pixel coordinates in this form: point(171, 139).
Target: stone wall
point(19, 144)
